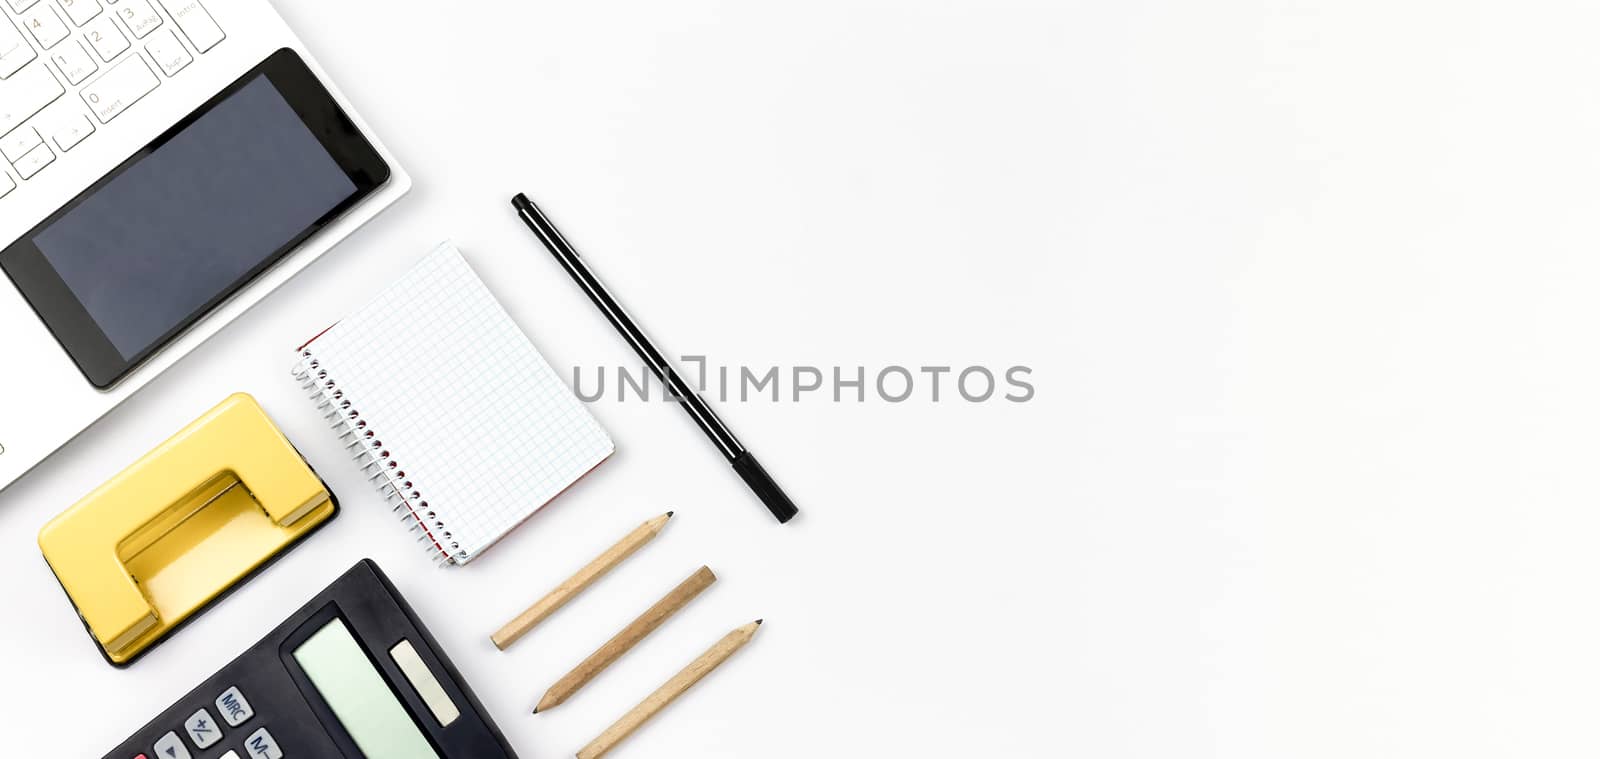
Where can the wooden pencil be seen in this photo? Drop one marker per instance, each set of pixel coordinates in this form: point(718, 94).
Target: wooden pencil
point(625, 640)
point(669, 692)
point(566, 591)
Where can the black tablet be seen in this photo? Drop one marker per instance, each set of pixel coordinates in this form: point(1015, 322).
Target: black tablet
point(150, 248)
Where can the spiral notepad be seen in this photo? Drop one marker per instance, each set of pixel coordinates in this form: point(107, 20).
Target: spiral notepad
point(449, 409)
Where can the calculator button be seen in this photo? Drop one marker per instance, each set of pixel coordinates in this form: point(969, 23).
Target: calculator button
point(427, 686)
point(234, 708)
point(230, 755)
point(171, 747)
point(202, 729)
point(260, 745)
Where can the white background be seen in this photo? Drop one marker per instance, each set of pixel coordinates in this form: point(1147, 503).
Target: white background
point(1308, 291)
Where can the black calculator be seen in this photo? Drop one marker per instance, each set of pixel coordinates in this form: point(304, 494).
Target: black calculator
point(352, 675)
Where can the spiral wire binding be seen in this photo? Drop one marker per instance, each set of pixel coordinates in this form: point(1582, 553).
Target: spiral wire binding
point(383, 470)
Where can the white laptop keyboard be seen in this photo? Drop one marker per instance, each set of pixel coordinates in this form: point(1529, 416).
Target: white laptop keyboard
point(108, 54)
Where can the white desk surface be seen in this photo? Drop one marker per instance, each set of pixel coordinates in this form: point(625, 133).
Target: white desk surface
point(1308, 291)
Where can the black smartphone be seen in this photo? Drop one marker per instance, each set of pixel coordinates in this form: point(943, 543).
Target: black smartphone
point(191, 218)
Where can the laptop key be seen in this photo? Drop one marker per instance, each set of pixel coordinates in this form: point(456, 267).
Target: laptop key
point(168, 53)
point(74, 62)
point(7, 184)
point(46, 26)
point(17, 144)
point(196, 23)
point(21, 5)
point(141, 18)
point(27, 92)
point(36, 159)
point(15, 52)
point(81, 11)
point(119, 88)
point(107, 40)
point(69, 133)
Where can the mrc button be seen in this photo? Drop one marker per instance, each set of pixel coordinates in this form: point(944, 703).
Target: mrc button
point(233, 707)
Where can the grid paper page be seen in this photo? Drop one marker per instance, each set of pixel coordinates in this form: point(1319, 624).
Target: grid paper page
point(467, 409)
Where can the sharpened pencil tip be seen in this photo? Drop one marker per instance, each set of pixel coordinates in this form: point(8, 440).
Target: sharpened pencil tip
point(535, 710)
point(670, 513)
point(759, 621)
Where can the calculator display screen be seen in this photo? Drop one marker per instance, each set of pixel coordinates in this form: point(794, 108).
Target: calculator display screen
point(359, 696)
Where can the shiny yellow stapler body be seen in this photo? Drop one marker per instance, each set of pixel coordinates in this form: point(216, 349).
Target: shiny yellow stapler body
point(183, 525)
